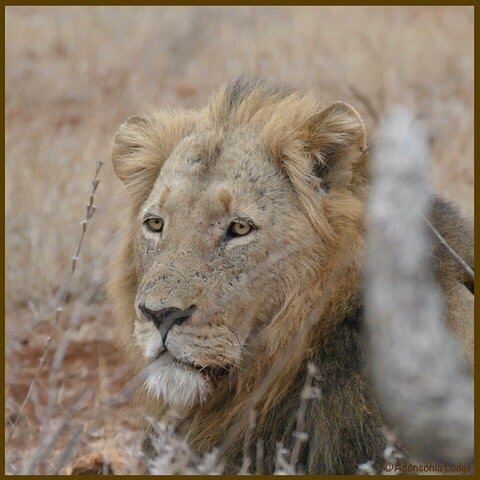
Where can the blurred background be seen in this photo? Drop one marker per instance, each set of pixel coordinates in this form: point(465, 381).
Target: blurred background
point(74, 74)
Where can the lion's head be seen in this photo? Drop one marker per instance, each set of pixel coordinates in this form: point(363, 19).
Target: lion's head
point(236, 214)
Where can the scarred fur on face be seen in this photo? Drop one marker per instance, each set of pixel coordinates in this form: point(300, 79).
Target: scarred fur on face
point(295, 170)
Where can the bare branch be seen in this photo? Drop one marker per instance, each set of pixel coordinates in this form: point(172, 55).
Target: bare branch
point(366, 102)
point(309, 392)
point(247, 460)
point(452, 252)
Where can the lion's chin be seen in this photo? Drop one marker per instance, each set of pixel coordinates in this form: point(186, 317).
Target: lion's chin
point(176, 383)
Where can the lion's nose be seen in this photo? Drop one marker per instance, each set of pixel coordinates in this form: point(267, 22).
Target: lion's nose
point(166, 318)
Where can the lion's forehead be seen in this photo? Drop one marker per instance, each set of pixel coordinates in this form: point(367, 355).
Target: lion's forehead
point(234, 171)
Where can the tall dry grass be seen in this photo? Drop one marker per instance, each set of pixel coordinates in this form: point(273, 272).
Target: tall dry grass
point(73, 74)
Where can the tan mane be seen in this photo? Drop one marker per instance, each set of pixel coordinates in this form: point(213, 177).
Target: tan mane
point(279, 117)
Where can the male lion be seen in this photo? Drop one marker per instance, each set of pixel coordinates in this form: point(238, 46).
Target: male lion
point(242, 250)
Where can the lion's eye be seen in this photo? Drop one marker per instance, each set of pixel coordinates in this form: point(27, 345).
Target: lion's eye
point(154, 224)
point(239, 229)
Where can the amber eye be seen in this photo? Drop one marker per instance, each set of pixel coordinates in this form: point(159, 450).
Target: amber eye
point(154, 224)
point(239, 229)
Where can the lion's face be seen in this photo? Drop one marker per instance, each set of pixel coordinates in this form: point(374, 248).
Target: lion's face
point(234, 213)
point(211, 232)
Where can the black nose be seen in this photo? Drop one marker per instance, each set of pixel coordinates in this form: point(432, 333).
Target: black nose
point(166, 318)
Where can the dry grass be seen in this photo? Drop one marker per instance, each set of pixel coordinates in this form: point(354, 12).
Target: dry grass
point(73, 74)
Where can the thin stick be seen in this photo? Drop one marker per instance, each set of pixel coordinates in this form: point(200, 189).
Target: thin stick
point(301, 436)
point(75, 438)
point(259, 457)
point(247, 460)
point(366, 102)
point(452, 252)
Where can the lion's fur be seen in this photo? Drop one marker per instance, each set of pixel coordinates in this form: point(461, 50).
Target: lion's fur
point(319, 150)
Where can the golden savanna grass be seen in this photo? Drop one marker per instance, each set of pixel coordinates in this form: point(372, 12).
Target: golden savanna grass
point(73, 74)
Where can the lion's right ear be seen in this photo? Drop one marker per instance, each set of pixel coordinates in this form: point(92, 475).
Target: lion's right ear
point(129, 140)
point(336, 139)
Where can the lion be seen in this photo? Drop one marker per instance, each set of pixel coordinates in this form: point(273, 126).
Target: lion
point(242, 249)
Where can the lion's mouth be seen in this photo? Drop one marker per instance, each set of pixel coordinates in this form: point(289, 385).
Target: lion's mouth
point(212, 374)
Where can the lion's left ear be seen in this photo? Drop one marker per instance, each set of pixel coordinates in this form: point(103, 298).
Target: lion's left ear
point(336, 140)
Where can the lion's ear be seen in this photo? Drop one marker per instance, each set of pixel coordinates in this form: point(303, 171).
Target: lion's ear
point(128, 142)
point(336, 140)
